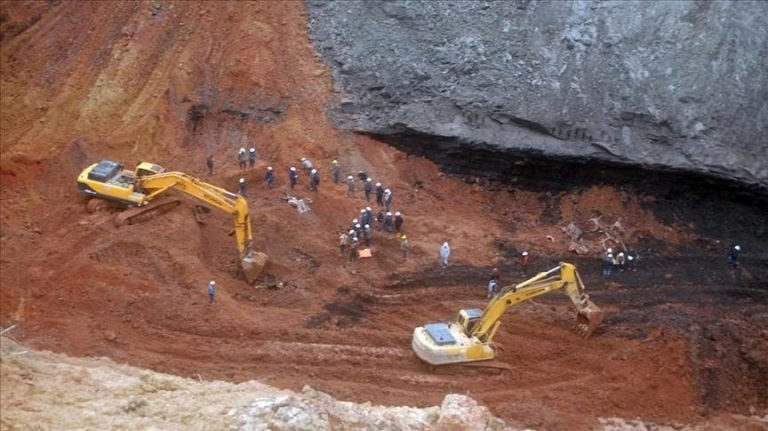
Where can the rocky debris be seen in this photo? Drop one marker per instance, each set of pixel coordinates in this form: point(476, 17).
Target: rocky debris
point(86, 393)
point(670, 85)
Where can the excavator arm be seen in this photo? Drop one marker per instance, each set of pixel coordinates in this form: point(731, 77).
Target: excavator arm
point(155, 185)
point(563, 276)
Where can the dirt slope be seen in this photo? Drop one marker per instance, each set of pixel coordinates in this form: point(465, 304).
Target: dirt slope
point(174, 82)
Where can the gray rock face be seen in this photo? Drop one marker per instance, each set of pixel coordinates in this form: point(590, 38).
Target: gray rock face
point(679, 85)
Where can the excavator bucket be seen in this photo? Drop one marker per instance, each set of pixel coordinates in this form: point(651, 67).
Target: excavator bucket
point(252, 265)
point(588, 319)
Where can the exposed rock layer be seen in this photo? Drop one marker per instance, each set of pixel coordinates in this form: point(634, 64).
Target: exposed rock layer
point(669, 85)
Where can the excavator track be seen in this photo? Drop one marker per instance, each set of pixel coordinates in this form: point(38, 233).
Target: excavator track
point(143, 213)
point(492, 367)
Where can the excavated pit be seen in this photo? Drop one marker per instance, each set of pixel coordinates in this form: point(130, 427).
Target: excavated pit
point(679, 288)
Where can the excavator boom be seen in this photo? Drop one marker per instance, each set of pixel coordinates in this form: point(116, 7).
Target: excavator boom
point(470, 337)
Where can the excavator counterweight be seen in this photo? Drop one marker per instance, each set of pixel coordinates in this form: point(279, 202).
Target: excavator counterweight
point(469, 338)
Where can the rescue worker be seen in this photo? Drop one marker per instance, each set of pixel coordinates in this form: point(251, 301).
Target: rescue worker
point(252, 157)
point(380, 219)
point(733, 256)
point(358, 230)
point(445, 253)
point(241, 158)
point(293, 176)
point(335, 171)
point(354, 222)
point(492, 288)
point(367, 235)
point(368, 188)
point(343, 242)
point(209, 163)
point(608, 263)
point(388, 222)
point(314, 180)
point(368, 215)
point(620, 261)
point(387, 199)
point(404, 245)
point(350, 187)
point(242, 186)
point(354, 241)
point(632, 260)
point(269, 177)
point(212, 291)
point(398, 221)
point(364, 218)
point(306, 164)
point(379, 195)
point(524, 261)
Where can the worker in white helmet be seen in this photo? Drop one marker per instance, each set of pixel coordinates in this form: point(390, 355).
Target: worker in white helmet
point(241, 158)
point(314, 180)
point(212, 291)
point(269, 177)
point(242, 186)
point(293, 176)
point(733, 256)
point(368, 188)
point(350, 187)
point(379, 195)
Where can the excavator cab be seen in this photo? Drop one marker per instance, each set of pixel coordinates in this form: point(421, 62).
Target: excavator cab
point(469, 318)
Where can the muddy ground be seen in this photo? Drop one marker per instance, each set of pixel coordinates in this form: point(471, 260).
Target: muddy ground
point(684, 336)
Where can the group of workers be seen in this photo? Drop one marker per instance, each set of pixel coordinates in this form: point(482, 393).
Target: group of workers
point(620, 261)
point(360, 231)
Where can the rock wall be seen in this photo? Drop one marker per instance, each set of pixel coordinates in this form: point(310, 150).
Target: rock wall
point(673, 85)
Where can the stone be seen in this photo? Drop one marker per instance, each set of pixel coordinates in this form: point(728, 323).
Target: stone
point(646, 84)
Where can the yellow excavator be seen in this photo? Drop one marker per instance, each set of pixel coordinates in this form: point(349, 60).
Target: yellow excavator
point(469, 338)
point(141, 189)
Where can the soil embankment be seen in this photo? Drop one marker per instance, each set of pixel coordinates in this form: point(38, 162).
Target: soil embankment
point(173, 82)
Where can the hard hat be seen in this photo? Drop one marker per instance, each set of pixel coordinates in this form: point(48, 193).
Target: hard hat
point(354, 221)
point(397, 213)
point(357, 225)
point(367, 226)
point(610, 254)
point(362, 211)
point(378, 184)
point(303, 158)
point(242, 180)
point(314, 171)
point(621, 253)
point(213, 282)
point(334, 162)
point(242, 149)
point(525, 253)
point(368, 208)
point(387, 191)
point(404, 236)
point(389, 213)
point(610, 250)
point(269, 168)
point(352, 231)
point(349, 177)
point(369, 180)
point(253, 150)
point(630, 257)
point(737, 248)
point(292, 168)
